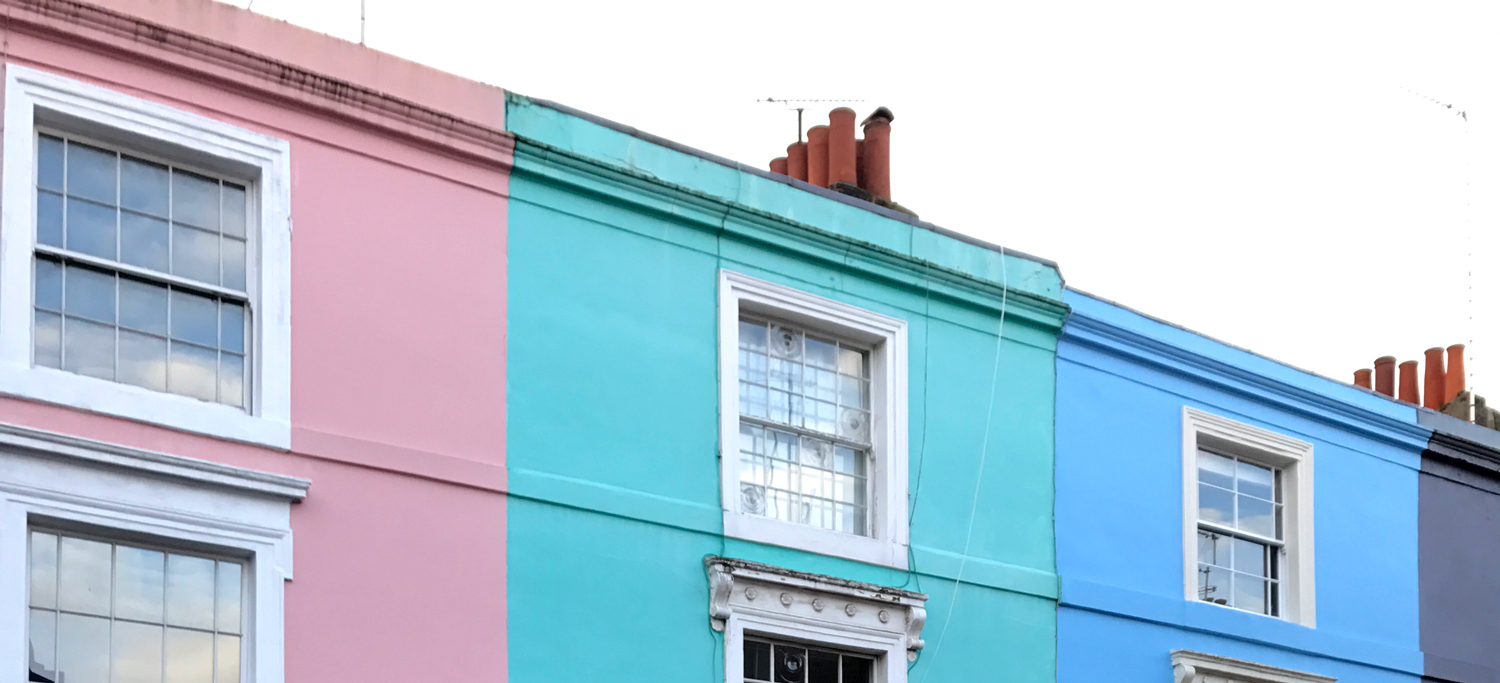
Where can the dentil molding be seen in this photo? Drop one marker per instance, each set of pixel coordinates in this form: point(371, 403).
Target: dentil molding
point(750, 588)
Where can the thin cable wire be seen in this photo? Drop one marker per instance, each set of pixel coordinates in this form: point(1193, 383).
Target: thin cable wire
point(984, 451)
point(911, 513)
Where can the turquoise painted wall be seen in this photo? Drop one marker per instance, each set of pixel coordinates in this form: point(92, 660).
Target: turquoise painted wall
point(614, 252)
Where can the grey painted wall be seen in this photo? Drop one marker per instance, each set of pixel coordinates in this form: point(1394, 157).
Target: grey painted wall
point(1459, 527)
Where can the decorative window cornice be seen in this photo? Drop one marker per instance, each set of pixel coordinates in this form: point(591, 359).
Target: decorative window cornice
point(1189, 666)
point(741, 588)
point(57, 446)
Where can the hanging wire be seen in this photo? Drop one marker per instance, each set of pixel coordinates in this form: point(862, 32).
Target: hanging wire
point(984, 451)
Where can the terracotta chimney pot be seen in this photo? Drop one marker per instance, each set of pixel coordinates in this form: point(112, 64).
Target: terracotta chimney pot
point(1410, 392)
point(1362, 378)
point(796, 160)
point(1455, 382)
point(841, 147)
point(1432, 385)
point(817, 155)
point(877, 152)
point(1385, 375)
point(778, 165)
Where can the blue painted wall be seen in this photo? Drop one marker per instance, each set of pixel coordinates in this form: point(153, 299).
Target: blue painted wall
point(1122, 382)
point(614, 251)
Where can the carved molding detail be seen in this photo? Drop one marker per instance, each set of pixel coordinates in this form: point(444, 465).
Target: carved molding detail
point(804, 598)
point(1189, 666)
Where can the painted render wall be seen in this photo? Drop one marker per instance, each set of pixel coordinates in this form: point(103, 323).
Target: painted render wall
point(398, 335)
point(1460, 509)
point(1123, 380)
point(616, 243)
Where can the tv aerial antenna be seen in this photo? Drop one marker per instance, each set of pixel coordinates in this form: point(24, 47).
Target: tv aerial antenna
point(797, 106)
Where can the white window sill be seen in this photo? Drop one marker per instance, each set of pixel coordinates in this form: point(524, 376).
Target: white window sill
point(137, 403)
point(814, 540)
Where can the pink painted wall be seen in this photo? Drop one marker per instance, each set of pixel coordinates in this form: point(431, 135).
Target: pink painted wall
point(398, 337)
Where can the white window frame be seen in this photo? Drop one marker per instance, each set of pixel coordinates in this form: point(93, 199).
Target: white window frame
point(821, 611)
point(1294, 458)
point(64, 481)
point(35, 98)
point(886, 336)
point(1189, 666)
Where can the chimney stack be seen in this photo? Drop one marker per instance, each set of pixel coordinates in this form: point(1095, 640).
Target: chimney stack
point(1385, 375)
point(1409, 390)
point(836, 158)
point(1362, 378)
point(1455, 382)
point(1432, 388)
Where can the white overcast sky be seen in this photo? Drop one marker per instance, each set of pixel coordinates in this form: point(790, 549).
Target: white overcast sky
point(1276, 175)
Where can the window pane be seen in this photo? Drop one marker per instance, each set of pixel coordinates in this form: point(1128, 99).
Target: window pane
point(195, 254)
point(91, 229)
point(752, 367)
point(1249, 593)
point(790, 664)
point(1215, 469)
point(48, 334)
point(785, 343)
point(1257, 516)
point(1249, 557)
point(143, 306)
point(49, 277)
point(1255, 480)
point(143, 241)
point(49, 163)
point(91, 173)
point(192, 371)
point(235, 210)
point(89, 348)
point(854, 425)
point(1215, 505)
point(757, 661)
point(190, 656)
point(43, 643)
point(83, 648)
point(822, 354)
point(190, 592)
point(854, 392)
point(232, 327)
point(234, 264)
point(49, 219)
point(195, 318)
point(752, 336)
point(1213, 584)
point(858, 670)
point(137, 653)
point(90, 293)
point(1214, 549)
point(195, 200)
point(43, 570)
point(822, 667)
point(83, 576)
point(139, 581)
point(229, 597)
point(143, 186)
point(232, 380)
point(851, 362)
point(227, 665)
